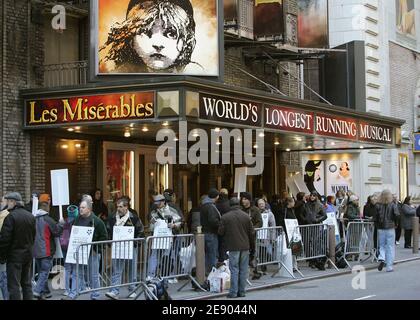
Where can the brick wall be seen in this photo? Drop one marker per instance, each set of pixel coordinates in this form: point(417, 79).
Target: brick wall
point(38, 163)
point(86, 167)
point(15, 146)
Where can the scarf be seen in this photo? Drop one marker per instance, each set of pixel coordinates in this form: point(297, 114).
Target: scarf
point(121, 221)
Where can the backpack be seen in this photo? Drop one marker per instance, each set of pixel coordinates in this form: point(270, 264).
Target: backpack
point(159, 288)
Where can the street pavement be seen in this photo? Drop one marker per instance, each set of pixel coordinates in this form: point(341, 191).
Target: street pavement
point(402, 284)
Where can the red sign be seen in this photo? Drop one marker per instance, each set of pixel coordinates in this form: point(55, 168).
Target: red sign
point(289, 119)
point(339, 127)
point(375, 133)
point(100, 108)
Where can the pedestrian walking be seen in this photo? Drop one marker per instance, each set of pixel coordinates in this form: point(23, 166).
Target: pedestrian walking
point(385, 219)
point(16, 247)
point(238, 232)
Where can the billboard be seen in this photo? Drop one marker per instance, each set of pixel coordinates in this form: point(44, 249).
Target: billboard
point(406, 23)
point(157, 37)
point(269, 20)
point(313, 23)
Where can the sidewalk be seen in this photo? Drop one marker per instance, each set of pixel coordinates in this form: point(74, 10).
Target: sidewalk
point(266, 281)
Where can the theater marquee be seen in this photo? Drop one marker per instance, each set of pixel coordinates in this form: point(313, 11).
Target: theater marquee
point(81, 109)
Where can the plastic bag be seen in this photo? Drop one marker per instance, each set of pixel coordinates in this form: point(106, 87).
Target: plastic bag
point(215, 282)
point(187, 257)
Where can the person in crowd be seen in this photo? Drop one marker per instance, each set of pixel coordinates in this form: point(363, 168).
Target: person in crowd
point(385, 219)
point(353, 210)
point(267, 238)
point(300, 208)
point(163, 214)
point(210, 220)
point(3, 274)
point(398, 221)
point(369, 211)
point(237, 229)
point(408, 211)
point(124, 218)
point(69, 218)
point(87, 218)
point(193, 220)
point(315, 214)
point(100, 209)
point(256, 218)
point(44, 248)
point(330, 206)
point(170, 198)
point(17, 239)
point(132, 210)
point(222, 204)
point(276, 208)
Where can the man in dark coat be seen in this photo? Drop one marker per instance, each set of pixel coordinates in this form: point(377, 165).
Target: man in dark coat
point(238, 233)
point(210, 220)
point(17, 239)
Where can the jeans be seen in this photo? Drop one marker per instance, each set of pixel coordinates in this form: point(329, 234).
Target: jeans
point(92, 272)
point(386, 239)
point(118, 268)
point(238, 265)
point(211, 250)
point(157, 254)
point(43, 266)
point(3, 282)
point(19, 276)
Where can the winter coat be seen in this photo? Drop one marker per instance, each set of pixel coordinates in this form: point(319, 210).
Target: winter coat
point(100, 233)
point(407, 214)
point(237, 230)
point(46, 232)
point(386, 216)
point(315, 213)
point(133, 221)
point(255, 215)
point(209, 216)
point(286, 213)
point(193, 220)
point(17, 236)
point(352, 212)
point(223, 204)
point(100, 209)
point(168, 214)
point(369, 211)
point(300, 212)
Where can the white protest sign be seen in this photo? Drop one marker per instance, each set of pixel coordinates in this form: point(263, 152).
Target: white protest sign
point(123, 249)
point(34, 205)
point(240, 180)
point(332, 221)
point(263, 234)
point(291, 227)
point(161, 230)
point(78, 236)
point(60, 187)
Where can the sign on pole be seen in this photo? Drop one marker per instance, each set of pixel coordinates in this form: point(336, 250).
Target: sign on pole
point(60, 189)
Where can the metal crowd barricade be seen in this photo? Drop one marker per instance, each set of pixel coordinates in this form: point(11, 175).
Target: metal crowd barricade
point(269, 248)
point(315, 243)
point(110, 264)
point(359, 240)
point(171, 257)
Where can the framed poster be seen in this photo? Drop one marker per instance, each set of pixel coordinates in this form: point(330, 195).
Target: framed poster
point(314, 176)
point(339, 176)
point(156, 37)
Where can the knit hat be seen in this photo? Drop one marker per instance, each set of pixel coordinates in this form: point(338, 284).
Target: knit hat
point(44, 197)
point(213, 193)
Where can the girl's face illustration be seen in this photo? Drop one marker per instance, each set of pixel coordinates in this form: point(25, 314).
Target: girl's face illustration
point(160, 46)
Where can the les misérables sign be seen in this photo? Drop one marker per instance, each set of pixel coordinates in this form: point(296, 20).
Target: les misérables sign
point(99, 108)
